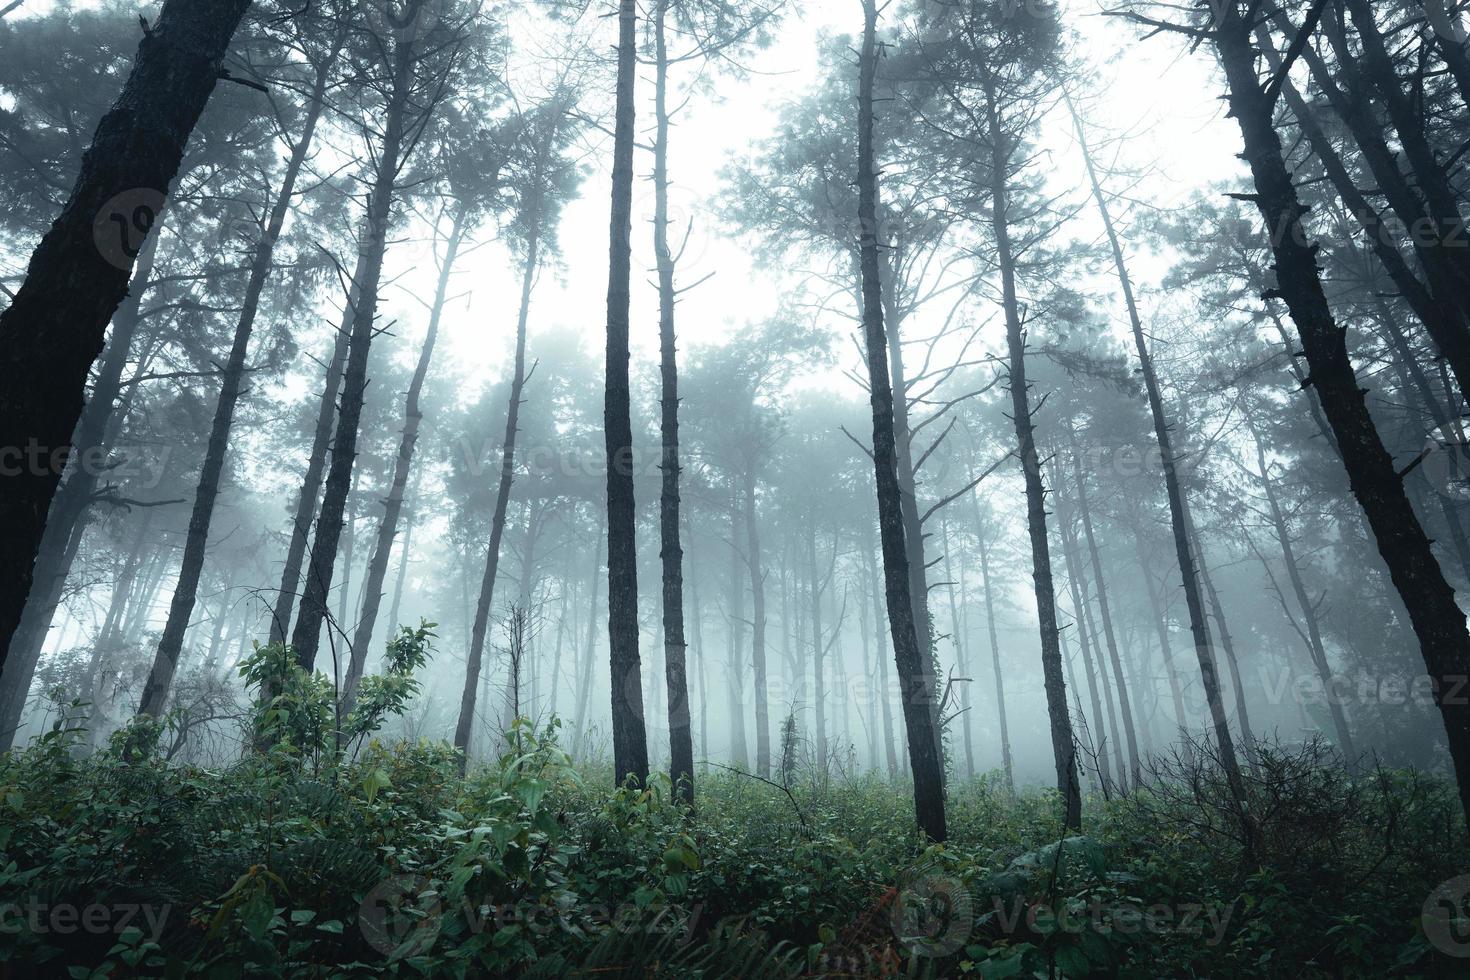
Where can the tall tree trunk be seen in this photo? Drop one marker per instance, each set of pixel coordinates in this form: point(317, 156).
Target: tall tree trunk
point(1000, 687)
point(66, 522)
point(962, 662)
point(1166, 651)
point(502, 493)
point(1437, 620)
point(915, 668)
point(734, 659)
point(1135, 763)
point(757, 625)
point(890, 751)
point(908, 481)
point(701, 654)
point(306, 635)
point(872, 664)
point(1184, 550)
point(403, 558)
point(1315, 648)
point(1063, 745)
point(53, 329)
point(819, 692)
point(232, 385)
point(316, 465)
point(1100, 735)
point(589, 648)
point(630, 739)
point(377, 569)
point(1227, 643)
point(681, 741)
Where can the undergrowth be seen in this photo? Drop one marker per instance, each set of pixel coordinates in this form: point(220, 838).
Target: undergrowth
point(319, 856)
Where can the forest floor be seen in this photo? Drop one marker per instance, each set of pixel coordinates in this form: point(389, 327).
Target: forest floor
point(388, 862)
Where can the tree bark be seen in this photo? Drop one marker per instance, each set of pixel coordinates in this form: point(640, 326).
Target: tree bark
point(1000, 686)
point(681, 741)
point(1438, 622)
point(483, 605)
point(1183, 548)
point(1315, 648)
point(757, 625)
point(1063, 743)
point(1135, 762)
point(306, 635)
point(962, 662)
point(53, 329)
point(377, 569)
point(630, 739)
point(589, 656)
point(915, 668)
point(1444, 321)
point(1100, 735)
point(232, 385)
point(819, 690)
point(734, 661)
point(66, 522)
point(890, 751)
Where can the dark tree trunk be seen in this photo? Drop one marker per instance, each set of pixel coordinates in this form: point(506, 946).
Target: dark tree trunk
point(701, 654)
point(819, 690)
point(1441, 199)
point(1183, 547)
point(681, 741)
point(1000, 687)
point(757, 624)
point(232, 385)
point(53, 329)
point(962, 661)
point(403, 558)
point(630, 738)
point(589, 647)
point(1135, 763)
point(316, 466)
point(1444, 321)
point(306, 635)
point(1100, 735)
point(908, 483)
point(1315, 647)
point(1437, 620)
point(483, 605)
point(734, 661)
point(890, 752)
point(66, 522)
point(1166, 650)
point(1063, 744)
point(1227, 644)
point(377, 568)
point(915, 669)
